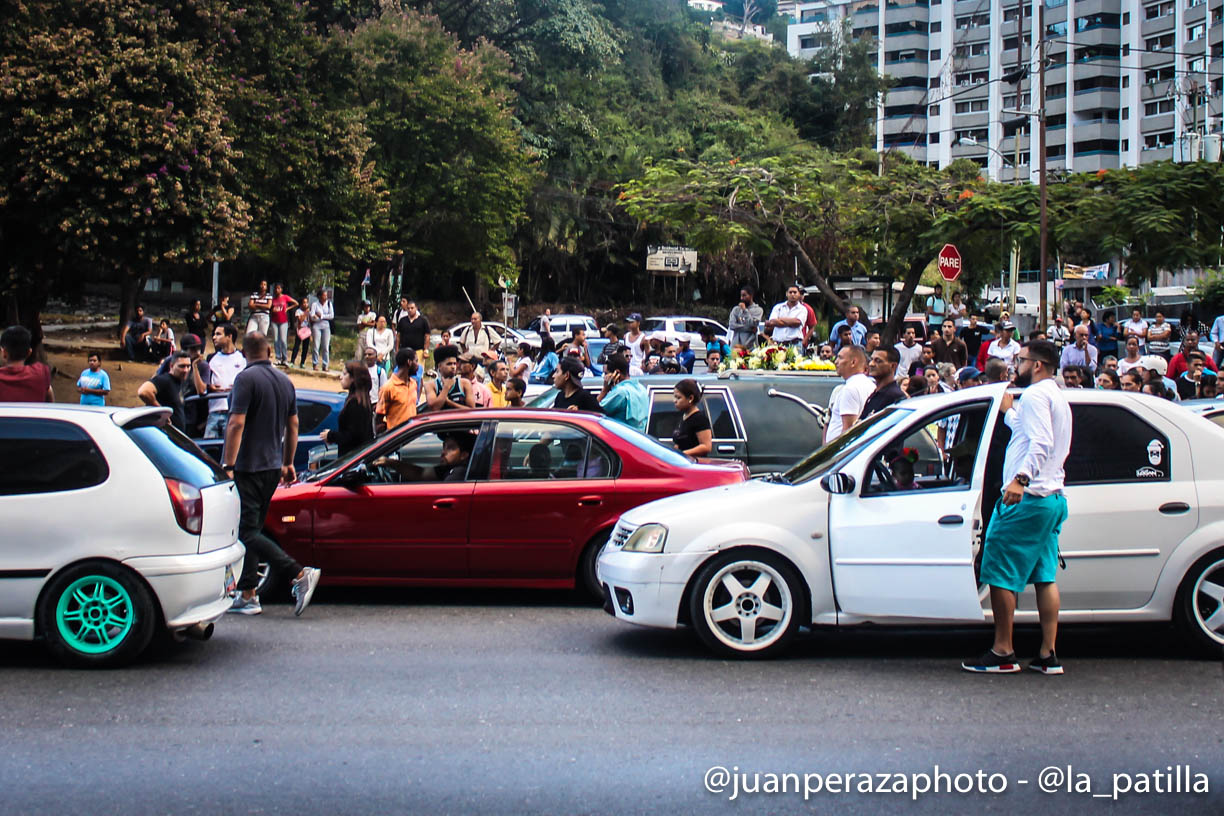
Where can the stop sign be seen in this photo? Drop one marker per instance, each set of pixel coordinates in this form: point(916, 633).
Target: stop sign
point(949, 262)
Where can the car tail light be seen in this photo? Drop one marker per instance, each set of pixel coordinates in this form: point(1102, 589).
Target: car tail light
point(188, 505)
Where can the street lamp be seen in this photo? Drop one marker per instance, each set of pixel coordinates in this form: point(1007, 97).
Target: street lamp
point(970, 140)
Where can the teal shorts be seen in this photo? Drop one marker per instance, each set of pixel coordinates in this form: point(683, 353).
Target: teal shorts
point(1022, 542)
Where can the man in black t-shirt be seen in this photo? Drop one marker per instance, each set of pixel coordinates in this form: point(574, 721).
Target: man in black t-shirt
point(412, 331)
point(568, 381)
point(972, 333)
point(883, 369)
point(166, 390)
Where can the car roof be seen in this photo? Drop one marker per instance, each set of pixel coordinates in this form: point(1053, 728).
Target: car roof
point(680, 317)
point(569, 317)
point(85, 414)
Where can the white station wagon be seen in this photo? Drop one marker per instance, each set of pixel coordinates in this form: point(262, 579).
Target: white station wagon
point(115, 527)
point(885, 525)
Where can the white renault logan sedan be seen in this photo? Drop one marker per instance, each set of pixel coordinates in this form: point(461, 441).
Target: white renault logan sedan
point(885, 525)
point(113, 526)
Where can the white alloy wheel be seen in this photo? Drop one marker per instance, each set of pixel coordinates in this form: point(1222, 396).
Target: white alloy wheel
point(1207, 601)
point(745, 605)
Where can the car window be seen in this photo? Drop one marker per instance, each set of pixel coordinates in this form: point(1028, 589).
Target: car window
point(1217, 418)
point(645, 443)
point(311, 415)
point(1110, 444)
point(721, 419)
point(419, 458)
point(939, 454)
point(547, 450)
point(653, 324)
point(591, 327)
point(664, 418)
point(175, 456)
point(47, 456)
point(826, 457)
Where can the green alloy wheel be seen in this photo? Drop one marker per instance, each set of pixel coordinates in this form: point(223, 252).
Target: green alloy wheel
point(96, 615)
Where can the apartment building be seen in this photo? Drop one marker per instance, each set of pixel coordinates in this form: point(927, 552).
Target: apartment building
point(1127, 81)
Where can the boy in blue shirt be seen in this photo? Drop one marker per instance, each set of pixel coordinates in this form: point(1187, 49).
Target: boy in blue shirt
point(94, 383)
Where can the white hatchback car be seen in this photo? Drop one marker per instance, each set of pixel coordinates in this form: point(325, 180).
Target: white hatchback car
point(116, 527)
point(885, 525)
point(679, 326)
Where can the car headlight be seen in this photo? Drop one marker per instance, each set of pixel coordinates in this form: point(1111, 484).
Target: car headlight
point(649, 538)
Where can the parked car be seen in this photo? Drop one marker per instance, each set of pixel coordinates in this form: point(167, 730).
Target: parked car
point(318, 411)
point(540, 494)
point(511, 338)
point(1209, 409)
point(562, 326)
point(843, 539)
point(676, 326)
point(767, 433)
point(116, 527)
point(994, 307)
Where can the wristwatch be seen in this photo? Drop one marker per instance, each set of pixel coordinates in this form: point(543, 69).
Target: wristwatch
point(1022, 480)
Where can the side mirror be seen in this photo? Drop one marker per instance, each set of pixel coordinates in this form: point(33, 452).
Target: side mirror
point(839, 484)
point(355, 476)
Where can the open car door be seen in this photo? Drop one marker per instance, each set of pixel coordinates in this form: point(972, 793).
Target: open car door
point(902, 541)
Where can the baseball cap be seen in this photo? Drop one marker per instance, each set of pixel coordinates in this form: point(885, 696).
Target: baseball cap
point(658, 335)
point(684, 340)
point(1058, 319)
point(1154, 362)
point(471, 357)
point(968, 373)
point(191, 341)
point(634, 317)
point(1007, 325)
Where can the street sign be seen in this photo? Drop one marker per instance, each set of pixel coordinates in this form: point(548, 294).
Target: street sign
point(950, 262)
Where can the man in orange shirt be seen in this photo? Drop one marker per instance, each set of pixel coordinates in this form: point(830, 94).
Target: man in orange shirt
point(397, 401)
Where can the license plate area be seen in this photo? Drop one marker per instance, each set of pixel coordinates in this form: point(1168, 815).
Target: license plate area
point(230, 583)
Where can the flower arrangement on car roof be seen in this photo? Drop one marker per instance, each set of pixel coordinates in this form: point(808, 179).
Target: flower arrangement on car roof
point(774, 358)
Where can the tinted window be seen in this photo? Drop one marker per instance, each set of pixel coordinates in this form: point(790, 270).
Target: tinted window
point(418, 458)
point(664, 418)
point(1110, 444)
point(47, 456)
point(311, 415)
point(721, 420)
point(654, 324)
point(175, 456)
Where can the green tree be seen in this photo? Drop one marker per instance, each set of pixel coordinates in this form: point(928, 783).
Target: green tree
point(305, 160)
point(446, 143)
point(117, 153)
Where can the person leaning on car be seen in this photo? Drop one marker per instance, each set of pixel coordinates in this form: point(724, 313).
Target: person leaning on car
point(571, 396)
point(1021, 545)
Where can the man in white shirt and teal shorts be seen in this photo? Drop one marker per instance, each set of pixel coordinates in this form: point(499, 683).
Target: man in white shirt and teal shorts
point(1021, 546)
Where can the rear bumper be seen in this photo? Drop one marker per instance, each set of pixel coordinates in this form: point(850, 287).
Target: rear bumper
point(191, 589)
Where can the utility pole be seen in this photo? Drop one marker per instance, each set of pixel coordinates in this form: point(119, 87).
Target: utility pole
point(1043, 313)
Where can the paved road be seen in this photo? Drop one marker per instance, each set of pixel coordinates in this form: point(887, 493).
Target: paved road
point(411, 702)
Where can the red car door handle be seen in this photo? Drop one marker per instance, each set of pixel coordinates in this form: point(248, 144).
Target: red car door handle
point(590, 501)
point(444, 504)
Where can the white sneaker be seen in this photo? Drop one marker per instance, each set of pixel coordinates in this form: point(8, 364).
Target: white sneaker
point(304, 588)
point(242, 606)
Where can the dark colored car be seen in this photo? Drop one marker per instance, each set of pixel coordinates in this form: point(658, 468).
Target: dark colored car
point(318, 411)
point(766, 433)
point(532, 507)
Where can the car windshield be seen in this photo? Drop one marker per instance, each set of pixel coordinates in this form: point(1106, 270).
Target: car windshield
point(825, 458)
point(646, 443)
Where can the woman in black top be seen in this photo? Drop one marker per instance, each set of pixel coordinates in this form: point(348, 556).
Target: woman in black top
point(693, 436)
point(197, 323)
point(356, 424)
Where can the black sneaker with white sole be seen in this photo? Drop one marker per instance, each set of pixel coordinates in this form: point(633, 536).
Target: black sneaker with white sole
point(1046, 665)
point(991, 663)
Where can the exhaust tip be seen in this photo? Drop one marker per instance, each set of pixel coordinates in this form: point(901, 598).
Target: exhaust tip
point(199, 631)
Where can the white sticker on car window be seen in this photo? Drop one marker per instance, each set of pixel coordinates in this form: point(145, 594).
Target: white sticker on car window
point(1149, 473)
point(1155, 450)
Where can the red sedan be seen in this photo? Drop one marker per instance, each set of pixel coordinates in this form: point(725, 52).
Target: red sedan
point(496, 497)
